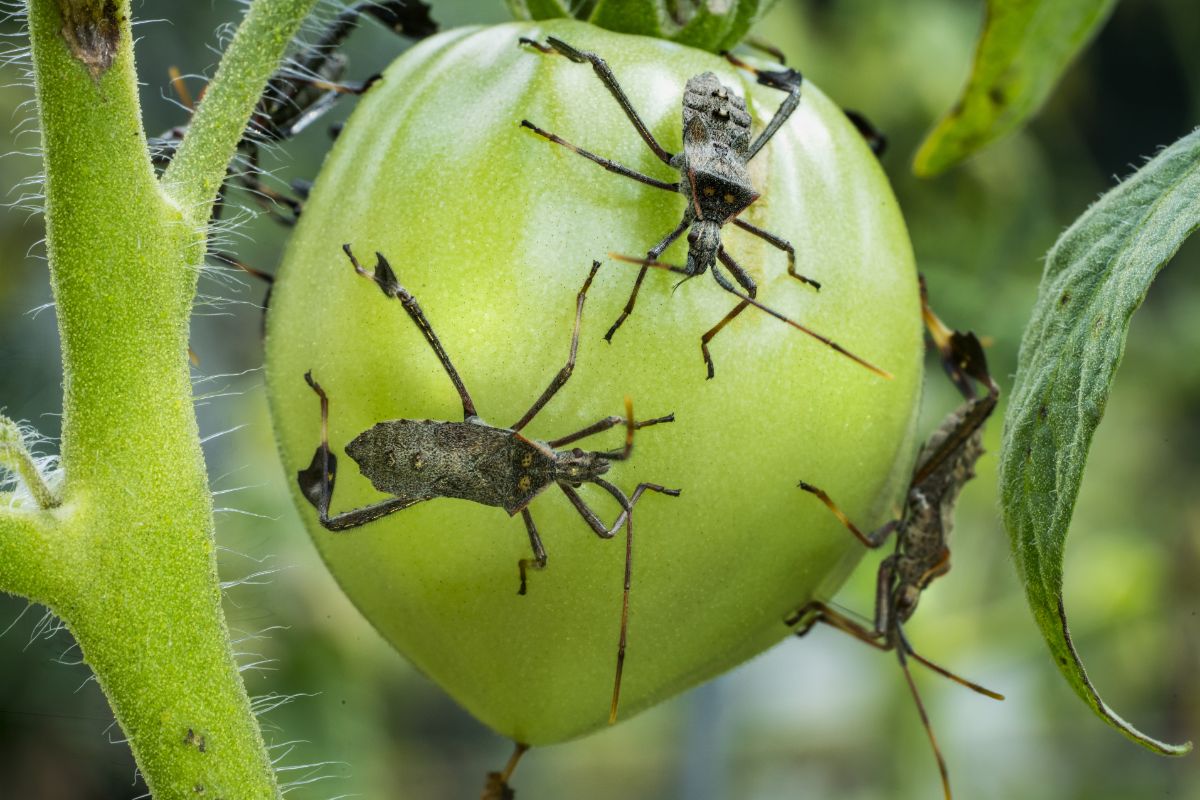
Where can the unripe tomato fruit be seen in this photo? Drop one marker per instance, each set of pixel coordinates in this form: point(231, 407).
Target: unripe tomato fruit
point(493, 230)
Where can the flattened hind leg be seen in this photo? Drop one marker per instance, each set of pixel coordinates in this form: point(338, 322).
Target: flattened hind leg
point(317, 479)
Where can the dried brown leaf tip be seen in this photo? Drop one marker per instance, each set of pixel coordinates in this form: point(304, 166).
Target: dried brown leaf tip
point(91, 29)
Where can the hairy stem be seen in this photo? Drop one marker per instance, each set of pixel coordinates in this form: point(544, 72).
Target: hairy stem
point(128, 561)
point(28, 542)
point(198, 169)
point(14, 455)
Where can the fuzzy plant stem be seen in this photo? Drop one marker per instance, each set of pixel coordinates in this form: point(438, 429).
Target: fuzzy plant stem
point(124, 552)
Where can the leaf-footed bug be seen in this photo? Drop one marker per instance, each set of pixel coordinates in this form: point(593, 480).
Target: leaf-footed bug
point(717, 149)
point(417, 460)
point(946, 462)
point(298, 94)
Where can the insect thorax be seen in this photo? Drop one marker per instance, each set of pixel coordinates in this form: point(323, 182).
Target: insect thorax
point(424, 459)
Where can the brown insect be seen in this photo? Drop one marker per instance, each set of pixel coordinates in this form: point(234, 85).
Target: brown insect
point(717, 149)
point(297, 95)
point(417, 460)
point(922, 532)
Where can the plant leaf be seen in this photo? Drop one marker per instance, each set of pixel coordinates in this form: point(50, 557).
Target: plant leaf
point(1025, 47)
point(1096, 276)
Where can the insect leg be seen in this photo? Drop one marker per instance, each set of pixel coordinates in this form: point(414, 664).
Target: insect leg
point(937, 751)
point(622, 639)
point(609, 80)
point(291, 105)
point(535, 542)
point(786, 80)
point(874, 539)
point(624, 518)
point(888, 623)
point(653, 255)
point(714, 330)
point(816, 612)
point(387, 282)
point(782, 244)
point(875, 138)
point(611, 166)
point(560, 379)
point(265, 277)
point(594, 522)
point(727, 286)
point(267, 198)
point(945, 673)
point(316, 481)
point(822, 613)
point(763, 46)
point(739, 274)
point(409, 18)
point(626, 505)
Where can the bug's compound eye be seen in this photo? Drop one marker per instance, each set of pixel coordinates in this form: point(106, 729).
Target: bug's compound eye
point(576, 452)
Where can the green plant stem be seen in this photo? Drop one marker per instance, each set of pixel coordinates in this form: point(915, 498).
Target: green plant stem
point(130, 567)
point(198, 169)
point(26, 546)
point(16, 457)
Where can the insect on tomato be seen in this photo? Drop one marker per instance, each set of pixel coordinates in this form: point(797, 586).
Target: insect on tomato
point(488, 223)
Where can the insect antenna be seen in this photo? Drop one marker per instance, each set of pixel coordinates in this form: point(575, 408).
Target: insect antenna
point(630, 427)
point(745, 298)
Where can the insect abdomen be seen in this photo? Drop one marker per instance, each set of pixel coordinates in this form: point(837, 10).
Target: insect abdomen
point(426, 459)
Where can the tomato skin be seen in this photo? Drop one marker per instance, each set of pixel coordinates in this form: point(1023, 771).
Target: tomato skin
point(493, 230)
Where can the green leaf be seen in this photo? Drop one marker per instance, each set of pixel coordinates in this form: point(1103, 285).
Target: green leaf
point(1025, 47)
point(1096, 276)
point(713, 25)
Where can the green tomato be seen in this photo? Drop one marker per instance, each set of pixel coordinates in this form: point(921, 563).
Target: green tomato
point(493, 230)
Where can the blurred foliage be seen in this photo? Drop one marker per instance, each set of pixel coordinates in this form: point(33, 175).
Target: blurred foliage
point(824, 717)
point(1022, 52)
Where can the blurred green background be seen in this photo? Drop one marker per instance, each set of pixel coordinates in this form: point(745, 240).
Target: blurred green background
point(824, 717)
